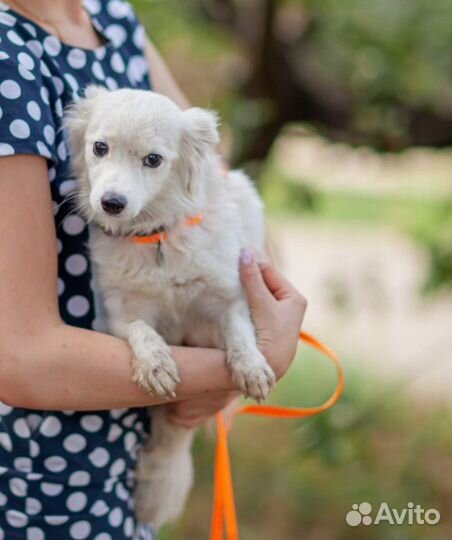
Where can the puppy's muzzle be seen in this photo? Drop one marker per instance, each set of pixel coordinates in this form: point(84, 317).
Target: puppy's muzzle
point(113, 204)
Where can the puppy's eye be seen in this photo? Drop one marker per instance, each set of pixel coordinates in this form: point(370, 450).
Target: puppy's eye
point(152, 160)
point(100, 149)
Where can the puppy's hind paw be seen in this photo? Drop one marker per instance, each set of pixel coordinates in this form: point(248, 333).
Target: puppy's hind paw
point(156, 372)
point(252, 374)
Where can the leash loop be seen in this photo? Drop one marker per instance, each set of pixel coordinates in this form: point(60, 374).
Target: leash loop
point(224, 525)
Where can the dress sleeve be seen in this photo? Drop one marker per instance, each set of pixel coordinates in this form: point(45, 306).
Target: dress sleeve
point(27, 125)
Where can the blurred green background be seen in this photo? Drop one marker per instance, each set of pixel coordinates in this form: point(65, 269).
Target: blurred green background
point(342, 112)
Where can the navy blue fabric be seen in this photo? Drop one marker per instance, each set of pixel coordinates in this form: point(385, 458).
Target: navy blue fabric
point(66, 475)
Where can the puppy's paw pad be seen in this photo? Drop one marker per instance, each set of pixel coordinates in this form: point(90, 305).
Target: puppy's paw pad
point(252, 374)
point(157, 372)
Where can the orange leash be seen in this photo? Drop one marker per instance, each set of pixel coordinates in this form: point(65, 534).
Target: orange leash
point(224, 517)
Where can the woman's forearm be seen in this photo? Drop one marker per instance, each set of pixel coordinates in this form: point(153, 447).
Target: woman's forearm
point(68, 368)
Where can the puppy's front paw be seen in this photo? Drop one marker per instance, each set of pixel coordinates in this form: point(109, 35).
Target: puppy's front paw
point(251, 373)
point(155, 370)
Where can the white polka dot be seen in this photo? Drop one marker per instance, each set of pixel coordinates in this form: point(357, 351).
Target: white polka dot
point(90, 422)
point(50, 489)
point(100, 53)
point(118, 467)
point(97, 70)
point(116, 34)
point(16, 518)
point(51, 426)
point(59, 85)
point(34, 449)
point(93, 6)
point(4, 409)
point(109, 484)
point(72, 81)
point(76, 501)
point(129, 420)
point(44, 69)
point(117, 63)
point(49, 134)
point(73, 225)
point(32, 506)
point(18, 487)
point(76, 265)
point(78, 306)
point(121, 492)
point(43, 150)
point(103, 536)
point(45, 95)
point(117, 9)
point(128, 527)
point(23, 464)
point(62, 151)
point(76, 58)
point(66, 187)
point(10, 89)
point(60, 286)
point(5, 442)
point(55, 464)
point(7, 19)
point(6, 149)
point(52, 45)
point(117, 413)
point(136, 68)
point(26, 60)
point(99, 457)
point(30, 29)
point(34, 110)
point(58, 108)
point(114, 433)
point(115, 517)
point(79, 478)
point(99, 509)
point(74, 443)
point(15, 38)
point(26, 74)
point(3, 55)
point(35, 47)
point(33, 533)
point(21, 428)
point(19, 129)
point(34, 476)
point(111, 83)
point(3, 499)
point(80, 530)
point(138, 36)
point(56, 520)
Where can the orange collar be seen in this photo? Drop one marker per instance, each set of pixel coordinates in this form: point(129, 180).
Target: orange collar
point(160, 235)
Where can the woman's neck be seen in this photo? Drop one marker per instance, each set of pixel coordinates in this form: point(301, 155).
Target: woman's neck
point(54, 11)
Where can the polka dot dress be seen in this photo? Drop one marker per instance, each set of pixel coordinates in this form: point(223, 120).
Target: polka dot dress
point(66, 475)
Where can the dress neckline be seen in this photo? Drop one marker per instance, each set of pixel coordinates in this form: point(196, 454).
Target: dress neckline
point(95, 23)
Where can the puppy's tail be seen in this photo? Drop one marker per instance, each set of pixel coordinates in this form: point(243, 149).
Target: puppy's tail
point(165, 472)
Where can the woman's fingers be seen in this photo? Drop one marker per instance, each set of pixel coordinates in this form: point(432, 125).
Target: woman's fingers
point(276, 283)
point(256, 290)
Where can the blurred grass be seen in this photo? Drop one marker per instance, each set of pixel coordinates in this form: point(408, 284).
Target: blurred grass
point(297, 479)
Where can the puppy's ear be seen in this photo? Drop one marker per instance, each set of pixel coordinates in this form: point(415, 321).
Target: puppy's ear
point(76, 120)
point(199, 136)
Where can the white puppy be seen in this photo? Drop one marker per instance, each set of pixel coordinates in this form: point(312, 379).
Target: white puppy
point(145, 166)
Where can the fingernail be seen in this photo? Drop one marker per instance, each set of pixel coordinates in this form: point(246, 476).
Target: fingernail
point(246, 256)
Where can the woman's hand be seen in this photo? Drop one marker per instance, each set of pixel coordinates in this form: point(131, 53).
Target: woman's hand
point(190, 413)
point(277, 310)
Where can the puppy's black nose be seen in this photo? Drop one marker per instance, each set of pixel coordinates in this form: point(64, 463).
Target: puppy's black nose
point(113, 203)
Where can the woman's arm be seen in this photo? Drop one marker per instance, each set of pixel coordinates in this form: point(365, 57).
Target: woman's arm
point(44, 363)
point(163, 81)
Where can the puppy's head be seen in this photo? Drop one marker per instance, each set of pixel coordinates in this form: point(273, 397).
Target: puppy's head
point(136, 154)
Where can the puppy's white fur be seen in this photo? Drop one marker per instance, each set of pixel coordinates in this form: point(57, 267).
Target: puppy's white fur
point(192, 294)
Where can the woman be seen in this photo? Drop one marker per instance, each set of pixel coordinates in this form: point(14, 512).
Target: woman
point(72, 420)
